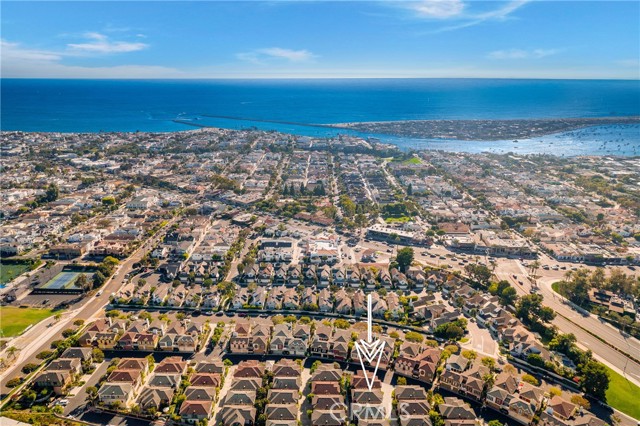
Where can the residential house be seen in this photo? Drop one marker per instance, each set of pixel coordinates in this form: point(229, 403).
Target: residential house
point(421, 367)
point(155, 398)
point(121, 394)
point(325, 300)
point(239, 340)
point(320, 343)
point(456, 412)
point(195, 411)
point(56, 380)
point(367, 405)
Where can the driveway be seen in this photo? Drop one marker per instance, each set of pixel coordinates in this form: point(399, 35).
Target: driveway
point(78, 402)
point(480, 340)
point(223, 393)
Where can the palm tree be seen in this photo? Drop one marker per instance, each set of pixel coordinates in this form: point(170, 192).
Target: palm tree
point(11, 351)
point(533, 267)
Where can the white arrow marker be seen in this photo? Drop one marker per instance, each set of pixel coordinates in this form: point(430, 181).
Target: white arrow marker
point(370, 349)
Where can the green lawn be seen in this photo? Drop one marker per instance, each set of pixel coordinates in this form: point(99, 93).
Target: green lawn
point(14, 320)
point(10, 271)
point(623, 395)
point(412, 160)
point(401, 219)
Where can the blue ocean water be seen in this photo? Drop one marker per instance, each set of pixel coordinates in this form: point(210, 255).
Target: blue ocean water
point(152, 105)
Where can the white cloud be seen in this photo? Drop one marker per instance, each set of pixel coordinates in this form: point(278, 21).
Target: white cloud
point(439, 9)
point(289, 54)
point(100, 43)
point(457, 10)
point(13, 52)
point(522, 54)
point(503, 12)
point(17, 61)
point(259, 56)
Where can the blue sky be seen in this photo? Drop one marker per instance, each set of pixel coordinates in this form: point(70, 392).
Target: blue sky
point(242, 39)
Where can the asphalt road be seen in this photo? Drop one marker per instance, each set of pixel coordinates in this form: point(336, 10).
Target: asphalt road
point(40, 337)
point(581, 325)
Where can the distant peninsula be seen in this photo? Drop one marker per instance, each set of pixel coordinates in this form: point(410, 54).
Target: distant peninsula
point(486, 130)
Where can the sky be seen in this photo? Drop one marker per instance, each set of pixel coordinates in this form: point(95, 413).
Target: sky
point(315, 39)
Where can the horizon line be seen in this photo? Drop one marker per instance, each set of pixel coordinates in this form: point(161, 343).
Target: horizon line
point(322, 78)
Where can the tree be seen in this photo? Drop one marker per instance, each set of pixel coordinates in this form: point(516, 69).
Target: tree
point(581, 401)
point(494, 423)
point(563, 342)
point(11, 351)
point(535, 360)
point(508, 296)
point(28, 368)
point(509, 368)
point(348, 206)
point(92, 392)
point(449, 330)
point(469, 354)
point(404, 258)
point(82, 282)
point(546, 314)
point(529, 309)
point(619, 282)
point(52, 193)
point(57, 316)
point(361, 220)
point(401, 381)
point(533, 268)
point(68, 332)
point(12, 383)
point(108, 201)
point(496, 288)
point(98, 279)
point(530, 379)
point(315, 366)
point(488, 362)
point(341, 324)
point(97, 354)
point(595, 380)
point(414, 337)
point(554, 391)
point(576, 286)
point(478, 273)
point(114, 313)
point(45, 354)
point(144, 315)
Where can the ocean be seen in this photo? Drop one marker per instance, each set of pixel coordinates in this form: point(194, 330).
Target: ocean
point(153, 105)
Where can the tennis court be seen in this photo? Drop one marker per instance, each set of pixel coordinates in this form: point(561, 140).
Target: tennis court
point(65, 280)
